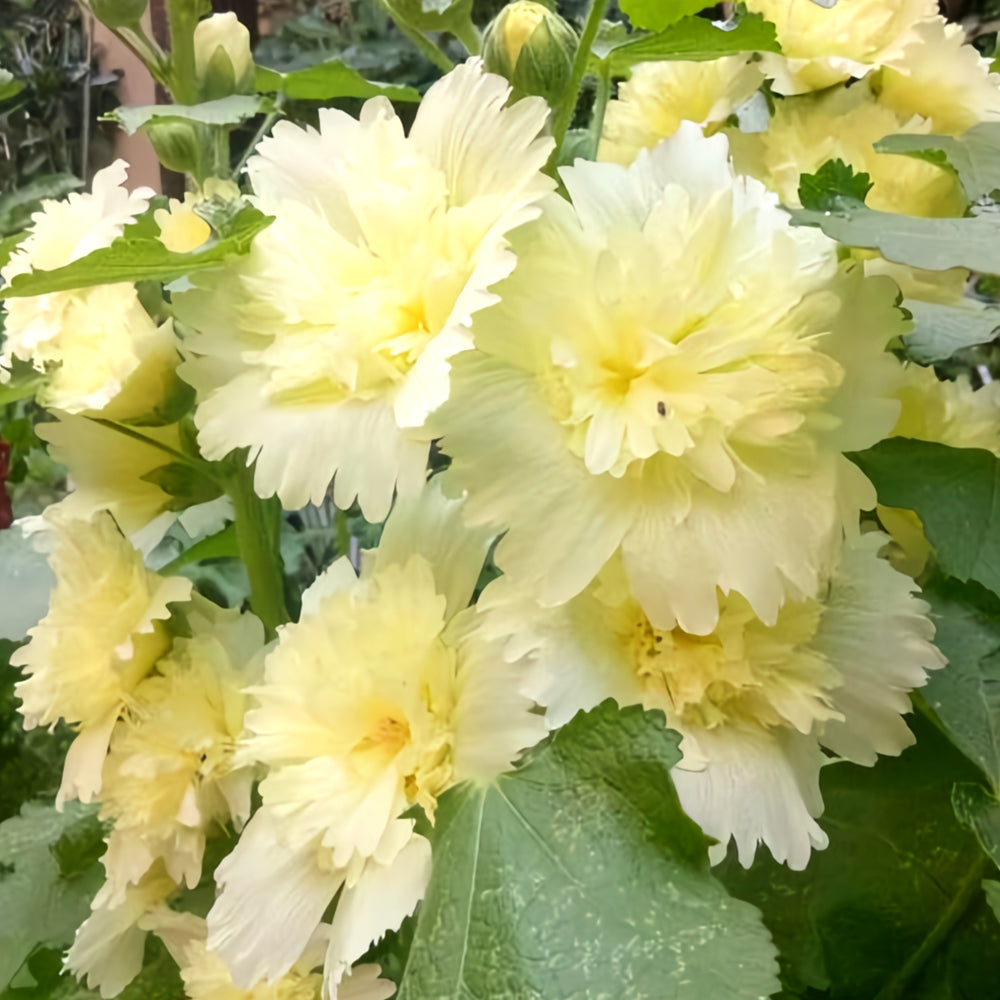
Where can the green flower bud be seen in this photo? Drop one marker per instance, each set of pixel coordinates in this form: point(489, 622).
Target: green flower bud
point(118, 13)
point(223, 64)
point(178, 144)
point(533, 47)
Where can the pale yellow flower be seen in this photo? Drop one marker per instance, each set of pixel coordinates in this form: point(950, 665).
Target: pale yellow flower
point(181, 228)
point(822, 46)
point(170, 779)
point(660, 95)
point(109, 945)
point(844, 123)
point(97, 343)
point(382, 696)
point(326, 347)
point(942, 78)
point(754, 703)
point(672, 371)
point(112, 471)
point(104, 630)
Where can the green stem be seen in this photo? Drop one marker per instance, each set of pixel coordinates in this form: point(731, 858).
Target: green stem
point(265, 126)
point(182, 16)
point(258, 528)
point(897, 987)
point(600, 106)
point(178, 456)
point(468, 35)
point(564, 113)
point(419, 39)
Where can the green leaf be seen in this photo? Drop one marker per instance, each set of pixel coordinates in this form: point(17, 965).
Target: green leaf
point(899, 872)
point(992, 890)
point(431, 15)
point(38, 905)
point(655, 15)
point(974, 155)
point(979, 811)
point(696, 39)
point(941, 330)
point(956, 494)
point(17, 206)
point(225, 111)
point(21, 387)
point(965, 696)
point(141, 259)
point(833, 182)
point(328, 80)
point(933, 244)
point(222, 545)
point(578, 875)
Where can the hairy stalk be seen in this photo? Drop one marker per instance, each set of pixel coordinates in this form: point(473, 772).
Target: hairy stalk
point(258, 527)
point(564, 113)
point(897, 987)
point(265, 127)
point(600, 106)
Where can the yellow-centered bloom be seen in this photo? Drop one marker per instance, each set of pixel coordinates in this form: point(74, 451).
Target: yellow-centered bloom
point(673, 372)
point(326, 347)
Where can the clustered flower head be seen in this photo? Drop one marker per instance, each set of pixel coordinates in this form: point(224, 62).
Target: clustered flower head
point(645, 380)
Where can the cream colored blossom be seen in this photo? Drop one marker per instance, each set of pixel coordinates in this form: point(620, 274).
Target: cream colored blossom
point(672, 372)
point(103, 632)
point(326, 347)
point(660, 95)
point(206, 977)
point(754, 703)
point(382, 696)
point(844, 123)
point(116, 472)
point(181, 228)
point(170, 779)
point(942, 78)
point(821, 46)
point(102, 349)
point(109, 944)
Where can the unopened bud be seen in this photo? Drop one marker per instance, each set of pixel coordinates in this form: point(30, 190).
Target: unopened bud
point(533, 47)
point(178, 144)
point(223, 64)
point(118, 13)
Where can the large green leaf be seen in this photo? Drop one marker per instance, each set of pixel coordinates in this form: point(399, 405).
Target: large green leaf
point(141, 258)
point(956, 494)
point(17, 206)
point(695, 39)
point(225, 111)
point(933, 244)
point(966, 696)
point(578, 876)
point(328, 80)
point(655, 15)
point(892, 909)
point(39, 905)
point(974, 155)
point(941, 330)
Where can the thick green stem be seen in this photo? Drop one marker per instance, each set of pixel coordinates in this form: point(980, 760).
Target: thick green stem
point(898, 986)
point(419, 39)
point(258, 527)
point(468, 35)
point(564, 113)
point(182, 16)
point(600, 106)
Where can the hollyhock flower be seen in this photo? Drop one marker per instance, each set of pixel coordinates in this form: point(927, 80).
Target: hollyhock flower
point(382, 696)
point(104, 631)
point(660, 95)
point(821, 46)
point(100, 347)
point(324, 349)
point(170, 779)
point(672, 372)
point(844, 123)
point(755, 703)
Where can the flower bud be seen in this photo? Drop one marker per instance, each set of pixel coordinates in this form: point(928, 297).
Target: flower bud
point(533, 47)
point(118, 13)
point(178, 144)
point(223, 64)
